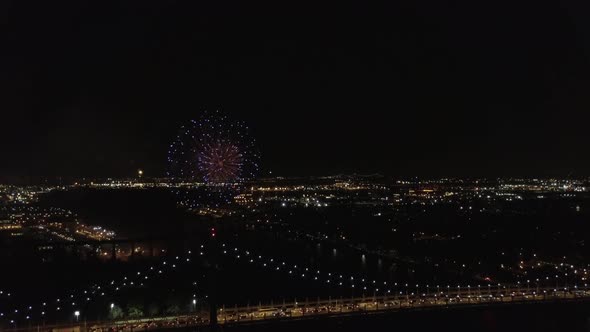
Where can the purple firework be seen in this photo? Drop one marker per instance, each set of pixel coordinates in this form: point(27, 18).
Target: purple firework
point(214, 155)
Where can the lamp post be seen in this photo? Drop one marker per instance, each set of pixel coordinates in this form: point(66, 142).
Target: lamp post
point(111, 311)
point(528, 287)
point(407, 298)
point(77, 315)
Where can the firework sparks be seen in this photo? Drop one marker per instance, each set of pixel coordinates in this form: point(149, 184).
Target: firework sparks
point(220, 162)
point(214, 152)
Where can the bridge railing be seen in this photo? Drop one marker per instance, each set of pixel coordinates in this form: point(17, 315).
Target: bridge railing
point(399, 301)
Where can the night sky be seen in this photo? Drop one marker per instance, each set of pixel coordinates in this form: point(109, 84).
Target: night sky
point(426, 88)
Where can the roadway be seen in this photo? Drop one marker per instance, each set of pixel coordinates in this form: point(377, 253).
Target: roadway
point(332, 307)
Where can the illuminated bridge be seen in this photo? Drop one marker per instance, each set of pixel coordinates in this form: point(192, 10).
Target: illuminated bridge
point(333, 307)
point(397, 298)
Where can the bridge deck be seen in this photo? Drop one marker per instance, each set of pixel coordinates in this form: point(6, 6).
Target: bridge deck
point(333, 307)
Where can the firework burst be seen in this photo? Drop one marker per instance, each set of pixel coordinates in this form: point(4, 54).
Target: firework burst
point(213, 156)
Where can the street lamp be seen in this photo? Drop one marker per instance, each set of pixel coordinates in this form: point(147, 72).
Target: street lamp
point(112, 307)
point(77, 314)
point(528, 286)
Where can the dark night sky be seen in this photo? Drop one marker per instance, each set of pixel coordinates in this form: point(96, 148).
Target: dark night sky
point(398, 87)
